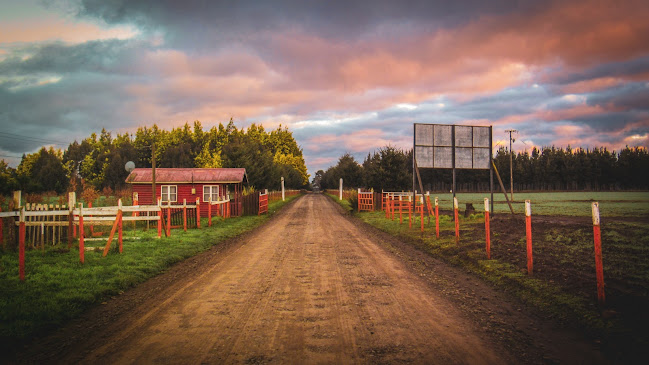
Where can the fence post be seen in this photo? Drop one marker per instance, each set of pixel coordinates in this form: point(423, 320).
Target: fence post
point(340, 189)
point(410, 203)
point(209, 212)
point(198, 213)
point(528, 231)
point(160, 217)
point(169, 218)
point(457, 220)
point(21, 245)
point(436, 217)
point(422, 206)
point(599, 268)
point(185, 214)
point(120, 216)
point(82, 249)
point(487, 227)
point(283, 194)
point(72, 202)
point(400, 210)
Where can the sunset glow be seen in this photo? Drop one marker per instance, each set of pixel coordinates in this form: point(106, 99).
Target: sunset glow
point(341, 77)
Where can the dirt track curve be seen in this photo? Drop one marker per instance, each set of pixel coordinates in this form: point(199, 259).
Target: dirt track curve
point(308, 287)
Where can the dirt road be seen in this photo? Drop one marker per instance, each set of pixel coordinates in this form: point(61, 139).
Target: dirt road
point(311, 286)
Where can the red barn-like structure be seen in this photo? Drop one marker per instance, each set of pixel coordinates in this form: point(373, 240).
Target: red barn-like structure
point(175, 184)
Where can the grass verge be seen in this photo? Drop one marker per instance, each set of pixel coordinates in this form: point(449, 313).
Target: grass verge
point(58, 287)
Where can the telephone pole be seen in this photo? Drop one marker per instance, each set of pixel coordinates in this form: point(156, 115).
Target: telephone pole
point(511, 162)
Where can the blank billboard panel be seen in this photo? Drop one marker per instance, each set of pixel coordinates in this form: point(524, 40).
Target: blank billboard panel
point(424, 155)
point(463, 158)
point(481, 158)
point(463, 136)
point(443, 135)
point(434, 145)
point(424, 135)
point(481, 137)
point(443, 157)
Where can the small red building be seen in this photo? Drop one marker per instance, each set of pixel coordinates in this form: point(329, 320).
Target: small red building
point(175, 184)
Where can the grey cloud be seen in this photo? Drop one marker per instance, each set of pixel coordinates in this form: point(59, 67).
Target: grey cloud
point(626, 68)
point(106, 56)
point(632, 96)
point(328, 18)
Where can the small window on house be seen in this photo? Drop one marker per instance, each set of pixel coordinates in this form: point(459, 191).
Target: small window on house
point(169, 193)
point(210, 190)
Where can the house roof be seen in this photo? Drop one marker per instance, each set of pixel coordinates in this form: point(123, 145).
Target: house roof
point(187, 175)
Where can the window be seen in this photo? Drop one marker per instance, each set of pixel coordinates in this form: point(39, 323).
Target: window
point(212, 190)
point(169, 193)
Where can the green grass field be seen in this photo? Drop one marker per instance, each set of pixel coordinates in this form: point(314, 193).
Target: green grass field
point(612, 204)
point(58, 287)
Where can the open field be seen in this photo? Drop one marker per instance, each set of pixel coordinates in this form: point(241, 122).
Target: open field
point(58, 287)
point(563, 285)
point(612, 204)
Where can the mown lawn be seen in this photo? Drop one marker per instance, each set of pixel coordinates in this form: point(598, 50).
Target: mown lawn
point(58, 287)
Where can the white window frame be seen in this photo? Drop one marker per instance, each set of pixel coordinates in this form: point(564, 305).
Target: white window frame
point(213, 190)
point(168, 195)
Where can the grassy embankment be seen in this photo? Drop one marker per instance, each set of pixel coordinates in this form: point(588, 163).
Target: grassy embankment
point(58, 287)
point(563, 285)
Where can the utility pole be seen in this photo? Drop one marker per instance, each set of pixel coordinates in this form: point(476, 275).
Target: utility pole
point(511, 163)
point(155, 198)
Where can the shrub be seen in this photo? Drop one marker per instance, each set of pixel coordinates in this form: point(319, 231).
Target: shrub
point(353, 202)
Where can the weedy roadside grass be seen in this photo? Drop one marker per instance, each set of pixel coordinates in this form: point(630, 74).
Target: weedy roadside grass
point(58, 287)
point(563, 285)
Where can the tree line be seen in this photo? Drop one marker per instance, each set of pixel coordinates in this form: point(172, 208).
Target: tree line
point(99, 160)
point(547, 168)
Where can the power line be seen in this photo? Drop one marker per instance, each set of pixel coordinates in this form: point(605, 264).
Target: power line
point(32, 139)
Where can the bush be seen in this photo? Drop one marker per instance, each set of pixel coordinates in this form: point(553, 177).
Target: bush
point(353, 202)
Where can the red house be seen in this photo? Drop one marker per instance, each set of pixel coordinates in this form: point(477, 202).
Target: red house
point(175, 184)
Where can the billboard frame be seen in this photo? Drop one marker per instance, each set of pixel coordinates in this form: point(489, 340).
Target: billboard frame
point(453, 147)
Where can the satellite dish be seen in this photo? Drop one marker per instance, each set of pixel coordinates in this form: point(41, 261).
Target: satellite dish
point(129, 166)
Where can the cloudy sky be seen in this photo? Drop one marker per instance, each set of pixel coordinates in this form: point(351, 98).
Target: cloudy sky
point(344, 76)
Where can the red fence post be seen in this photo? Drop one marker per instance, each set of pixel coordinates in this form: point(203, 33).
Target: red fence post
point(436, 217)
point(169, 218)
point(400, 209)
point(82, 247)
point(21, 245)
point(410, 202)
point(160, 216)
point(185, 215)
point(528, 230)
point(487, 228)
point(198, 213)
point(209, 212)
point(457, 220)
point(119, 224)
point(599, 268)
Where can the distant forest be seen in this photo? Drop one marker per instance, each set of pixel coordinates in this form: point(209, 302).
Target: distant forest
point(98, 161)
point(548, 168)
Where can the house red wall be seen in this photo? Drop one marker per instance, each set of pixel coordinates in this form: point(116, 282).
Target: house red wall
point(184, 192)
